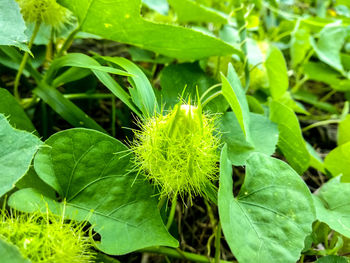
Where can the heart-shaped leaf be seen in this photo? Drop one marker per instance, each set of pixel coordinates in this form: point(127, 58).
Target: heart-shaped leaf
point(333, 207)
point(272, 214)
point(93, 176)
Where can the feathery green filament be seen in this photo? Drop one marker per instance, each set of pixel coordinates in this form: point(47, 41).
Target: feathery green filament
point(178, 151)
point(43, 11)
point(46, 238)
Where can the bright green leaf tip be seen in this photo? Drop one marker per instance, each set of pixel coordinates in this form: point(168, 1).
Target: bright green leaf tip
point(178, 151)
point(46, 238)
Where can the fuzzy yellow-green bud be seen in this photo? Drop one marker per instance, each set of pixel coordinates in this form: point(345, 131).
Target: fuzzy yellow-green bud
point(44, 11)
point(46, 238)
point(178, 151)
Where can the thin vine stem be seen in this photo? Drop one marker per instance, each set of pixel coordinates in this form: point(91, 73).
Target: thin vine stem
point(24, 61)
point(320, 123)
point(177, 253)
point(211, 97)
point(66, 45)
point(218, 243)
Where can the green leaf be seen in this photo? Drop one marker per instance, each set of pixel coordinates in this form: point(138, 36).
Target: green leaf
point(300, 45)
point(93, 173)
point(264, 137)
point(291, 141)
point(324, 73)
point(310, 98)
point(101, 72)
point(276, 69)
point(123, 23)
point(332, 259)
point(17, 149)
point(142, 92)
point(327, 48)
point(344, 131)
point(176, 78)
point(315, 160)
point(65, 108)
point(332, 205)
point(12, 25)
point(15, 113)
point(338, 161)
point(10, 253)
point(81, 61)
point(192, 11)
point(235, 96)
point(272, 214)
point(14, 57)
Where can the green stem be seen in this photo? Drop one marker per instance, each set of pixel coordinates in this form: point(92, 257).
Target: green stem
point(172, 212)
point(162, 202)
point(320, 123)
point(241, 23)
point(29, 102)
point(211, 97)
point(24, 61)
point(218, 243)
point(68, 42)
point(209, 90)
point(177, 253)
point(114, 115)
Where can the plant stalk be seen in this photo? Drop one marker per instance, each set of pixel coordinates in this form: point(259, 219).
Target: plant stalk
point(177, 253)
point(68, 42)
point(218, 243)
point(172, 212)
point(24, 61)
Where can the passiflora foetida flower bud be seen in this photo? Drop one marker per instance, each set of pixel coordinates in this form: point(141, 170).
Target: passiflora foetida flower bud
point(48, 12)
point(178, 151)
point(46, 237)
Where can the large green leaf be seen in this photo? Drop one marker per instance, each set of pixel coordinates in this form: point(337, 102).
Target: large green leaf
point(17, 149)
point(10, 253)
point(192, 11)
point(12, 25)
point(235, 96)
point(276, 69)
point(338, 161)
point(121, 21)
point(93, 174)
point(291, 141)
point(333, 207)
point(15, 113)
point(272, 214)
point(330, 43)
point(264, 137)
point(344, 131)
